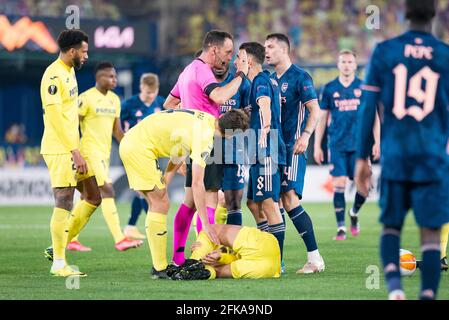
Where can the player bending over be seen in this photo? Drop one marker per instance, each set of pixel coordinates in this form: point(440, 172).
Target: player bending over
point(173, 134)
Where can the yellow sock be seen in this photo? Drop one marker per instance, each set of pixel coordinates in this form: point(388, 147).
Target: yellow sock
point(206, 247)
point(213, 273)
point(75, 238)
point(156, 230)
point(79, 217)
point(444, 239)
point(221, 215)
point(112, 218)
point(58, 228)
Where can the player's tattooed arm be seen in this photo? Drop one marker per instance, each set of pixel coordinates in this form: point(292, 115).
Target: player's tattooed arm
point(303, 142)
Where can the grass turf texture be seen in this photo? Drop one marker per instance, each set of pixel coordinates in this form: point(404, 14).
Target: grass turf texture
point(126, 275)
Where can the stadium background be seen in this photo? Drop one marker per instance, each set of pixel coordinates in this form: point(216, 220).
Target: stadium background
point(161, 36)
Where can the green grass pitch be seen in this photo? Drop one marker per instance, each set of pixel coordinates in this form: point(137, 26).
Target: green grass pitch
point(112, 274)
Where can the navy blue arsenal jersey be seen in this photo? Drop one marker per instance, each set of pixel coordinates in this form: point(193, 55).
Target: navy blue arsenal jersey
point(297, 89)
point(240, 99)
point(234, 148)
point(134, 110)
point(342, 103)
point(264, 86)
point(409, 75)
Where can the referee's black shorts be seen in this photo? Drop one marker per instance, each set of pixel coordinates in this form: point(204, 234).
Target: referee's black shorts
point(213, 175)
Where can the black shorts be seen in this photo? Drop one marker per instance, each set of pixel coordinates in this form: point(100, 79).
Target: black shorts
point(213, 176)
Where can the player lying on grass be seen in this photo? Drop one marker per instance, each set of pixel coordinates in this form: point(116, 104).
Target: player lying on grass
point(243, 252)
point(175, 134)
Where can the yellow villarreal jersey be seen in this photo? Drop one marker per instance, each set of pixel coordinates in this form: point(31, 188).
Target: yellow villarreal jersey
point(175, 133)
point(99, 112)
point(59, 89)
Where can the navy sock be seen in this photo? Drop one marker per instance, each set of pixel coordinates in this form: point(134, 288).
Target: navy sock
point(430, 273)
point(282, 214)
point(263, 226)
point(304, 226)
point(389, 252)
point(340, 206)
point(144, 206)
point(358, 202)
point(278, 230)
point(235, 217)
point(136, 207)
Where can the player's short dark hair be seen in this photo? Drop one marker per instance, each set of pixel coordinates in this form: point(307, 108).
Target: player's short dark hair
point(198, 53)
point(420, 11)
point(255, 49)
point(279, 37)
point(233, 120)
point(215, 38)
point(103, 65)
point(69, 39)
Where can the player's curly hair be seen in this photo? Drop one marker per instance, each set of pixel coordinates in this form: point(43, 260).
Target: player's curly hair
point(419, 11)
point(69, 39)
point(233, 120)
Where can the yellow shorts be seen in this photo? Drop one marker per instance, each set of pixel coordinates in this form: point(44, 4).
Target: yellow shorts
point(260, 255)
point(141, 166)
point(62, 170)
point(98, 167)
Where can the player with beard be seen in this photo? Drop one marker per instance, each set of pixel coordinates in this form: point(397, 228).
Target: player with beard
point(61, 145)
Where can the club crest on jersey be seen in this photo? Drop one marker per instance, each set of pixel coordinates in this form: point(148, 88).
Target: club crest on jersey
point(52, 89)
point(357, 93)
point(336, 95)
point(284, 87)
point(139, 113)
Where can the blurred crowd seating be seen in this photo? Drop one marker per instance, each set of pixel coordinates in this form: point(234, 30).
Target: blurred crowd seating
point(317, 28)
point(101, 9)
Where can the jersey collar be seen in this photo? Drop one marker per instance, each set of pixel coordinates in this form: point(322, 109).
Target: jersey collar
point(62, 63)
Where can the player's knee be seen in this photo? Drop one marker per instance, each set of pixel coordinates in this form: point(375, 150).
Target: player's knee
point(233, 204)
point(107, 191)
point(290, 200)
point(162, 204)
point(93, 198)
point(64, 200)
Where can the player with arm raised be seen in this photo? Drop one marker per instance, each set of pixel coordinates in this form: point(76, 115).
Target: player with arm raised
point(198, 89)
